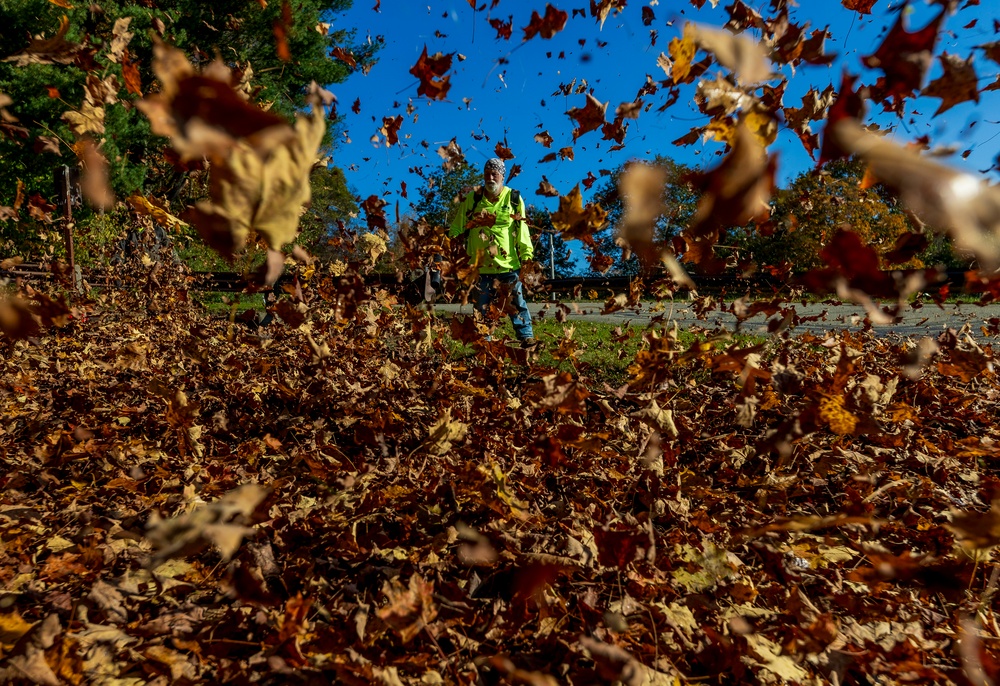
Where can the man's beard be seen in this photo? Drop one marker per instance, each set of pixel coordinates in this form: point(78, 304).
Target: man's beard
point(493, 187)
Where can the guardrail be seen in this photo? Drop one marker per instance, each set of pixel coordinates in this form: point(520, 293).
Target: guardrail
point(232, 282)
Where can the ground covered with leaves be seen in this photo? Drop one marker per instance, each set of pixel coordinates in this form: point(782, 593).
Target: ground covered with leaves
point(337, 498)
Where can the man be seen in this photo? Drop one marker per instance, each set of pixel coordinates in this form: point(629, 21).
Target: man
point(499, 243)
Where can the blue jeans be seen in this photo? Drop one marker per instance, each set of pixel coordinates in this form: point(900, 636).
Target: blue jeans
point(488, 292)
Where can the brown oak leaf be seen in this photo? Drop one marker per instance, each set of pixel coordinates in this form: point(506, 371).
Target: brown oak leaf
point(957, 84)
point(264, 193)
point(588, 118)
point(431, 72)
point(552, 23)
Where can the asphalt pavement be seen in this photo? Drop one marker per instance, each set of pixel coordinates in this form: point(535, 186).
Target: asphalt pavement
point(818, 318)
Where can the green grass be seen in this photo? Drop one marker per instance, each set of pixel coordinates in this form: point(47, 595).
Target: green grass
point(605, 351)
point(219, 304)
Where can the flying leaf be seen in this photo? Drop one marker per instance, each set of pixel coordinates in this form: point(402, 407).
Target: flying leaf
point(120, 38)
point(264, 193)
point(345, 56)
point(552, 23)
point(504, 29)
point(977, 530)
point(408, 609)
point(682, 51)
point(451, 154)
point(390, 129)
point(431, 72)
point(588, 118)
point(574, 220)
point(130, 72)
point(905, 57)
point(55, 50)
point(743, 17)
point(600, 9)
point(223, 522)
point(641, 188)
point(547, 189)
point(957, 84)
point(151, 207)
point(741, 55)
point(88, 120)
point(94, 181)
point(847, 105)
point(859, 6)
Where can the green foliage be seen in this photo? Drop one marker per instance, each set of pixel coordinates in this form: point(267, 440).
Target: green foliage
point(679, 197)
point(331, 216)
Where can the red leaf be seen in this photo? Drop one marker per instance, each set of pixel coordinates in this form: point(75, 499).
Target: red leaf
point(859, 6)
point(957, 84)
point(848, 105)
point(905, 57)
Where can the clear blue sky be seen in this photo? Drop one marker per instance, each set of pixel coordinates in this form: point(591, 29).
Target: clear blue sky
point(510, 89)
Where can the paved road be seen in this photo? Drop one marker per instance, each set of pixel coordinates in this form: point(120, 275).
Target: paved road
point(817, 318)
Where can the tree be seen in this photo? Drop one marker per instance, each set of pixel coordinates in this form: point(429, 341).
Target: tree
point(443, 190)
point(813, 207)
point(549, 243)
point(679, 197)
point(331, 212)
point(97, 62)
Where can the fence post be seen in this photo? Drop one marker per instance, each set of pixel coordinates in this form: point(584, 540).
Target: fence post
point(64, 184)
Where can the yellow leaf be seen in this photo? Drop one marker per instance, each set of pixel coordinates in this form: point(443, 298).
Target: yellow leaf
point(838, 417)
point(159, 214)
point(90, 119)
point(762, 125)
point(250, 191)
point(12, 628)
point(682, 52)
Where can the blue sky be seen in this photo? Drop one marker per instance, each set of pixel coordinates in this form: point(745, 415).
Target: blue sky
point(511, 90)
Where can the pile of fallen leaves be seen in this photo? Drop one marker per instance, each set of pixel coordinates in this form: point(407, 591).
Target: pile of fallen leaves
point(337, 499)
